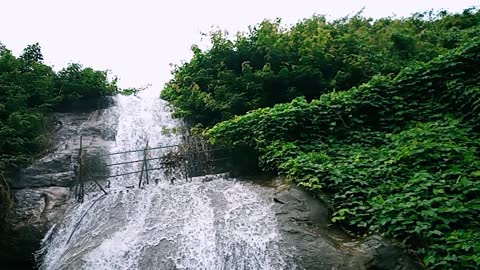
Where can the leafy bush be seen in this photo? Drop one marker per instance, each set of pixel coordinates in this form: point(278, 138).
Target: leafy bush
point(29, 90)
point(399, 156)
point(75, 82)
point(273, 64)
point(397, 151)
point(421, 187)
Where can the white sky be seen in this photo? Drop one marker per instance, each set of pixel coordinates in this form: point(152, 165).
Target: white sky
point(138, 39)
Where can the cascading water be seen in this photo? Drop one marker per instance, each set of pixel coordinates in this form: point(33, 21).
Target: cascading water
point(221, 224)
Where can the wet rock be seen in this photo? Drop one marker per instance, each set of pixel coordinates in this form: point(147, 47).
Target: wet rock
point(42, 189)
point(29, 179)
point(161, 255)
point(56, 168)
point(385, 255)
point(34, 212)
point(38, 207)
point(304, 223)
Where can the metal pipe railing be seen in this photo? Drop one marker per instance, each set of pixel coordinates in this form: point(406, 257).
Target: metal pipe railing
point(129, 162)
point(191, 155)
point(122, 174)
point(139, 150)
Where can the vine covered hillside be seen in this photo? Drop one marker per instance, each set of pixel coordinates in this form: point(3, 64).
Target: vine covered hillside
point(273, 64)
point(383, 116)
point(398, 156)
point(29, 91)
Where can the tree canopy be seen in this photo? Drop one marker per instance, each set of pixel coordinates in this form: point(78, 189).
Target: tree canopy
point(29, 91)
point(272, 63)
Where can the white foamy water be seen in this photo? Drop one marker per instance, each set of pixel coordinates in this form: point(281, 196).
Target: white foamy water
point(221, 224)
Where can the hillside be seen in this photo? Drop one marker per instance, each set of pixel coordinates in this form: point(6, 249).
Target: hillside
point(381, 115)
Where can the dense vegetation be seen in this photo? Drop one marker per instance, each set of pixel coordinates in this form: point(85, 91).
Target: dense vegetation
point(272, 64)
point(397, 150)
point(29, 91)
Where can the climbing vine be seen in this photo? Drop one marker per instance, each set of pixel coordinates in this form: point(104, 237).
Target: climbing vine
point(383, 115)
point(399, 155)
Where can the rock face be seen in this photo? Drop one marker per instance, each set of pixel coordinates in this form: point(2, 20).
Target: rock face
point(42, 191)
point(29, 220)
point(315, 244)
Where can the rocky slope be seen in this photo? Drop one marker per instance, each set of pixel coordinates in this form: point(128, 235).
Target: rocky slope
point(318, 245)
point(42, 191)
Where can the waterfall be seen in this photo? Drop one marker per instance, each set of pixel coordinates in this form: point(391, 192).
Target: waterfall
point(221, 224)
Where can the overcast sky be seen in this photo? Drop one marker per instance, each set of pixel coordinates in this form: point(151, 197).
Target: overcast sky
point(138, 39)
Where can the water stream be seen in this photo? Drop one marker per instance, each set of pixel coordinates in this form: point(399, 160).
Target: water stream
point(221, 224)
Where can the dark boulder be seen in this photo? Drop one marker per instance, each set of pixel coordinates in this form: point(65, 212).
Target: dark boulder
point(304, 223)
point(36, 209)
point(386, 255)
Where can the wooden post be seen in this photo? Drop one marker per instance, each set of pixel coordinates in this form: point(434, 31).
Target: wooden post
point(141, 175)
point(185, 163)
point(82, 175)
point(145, 161)
point(204, 154)
point(98, 184)
point(144, 166)
point(196, 158)
point(188, 160)
point(80, 171)
point(76, 192)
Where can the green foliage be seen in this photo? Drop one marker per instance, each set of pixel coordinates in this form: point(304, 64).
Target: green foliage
point(399, 155)
point(397, 151)
point(29, 90)
point(272, 64)
point(75, 82)
point(420, 187)
point(5, 196)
